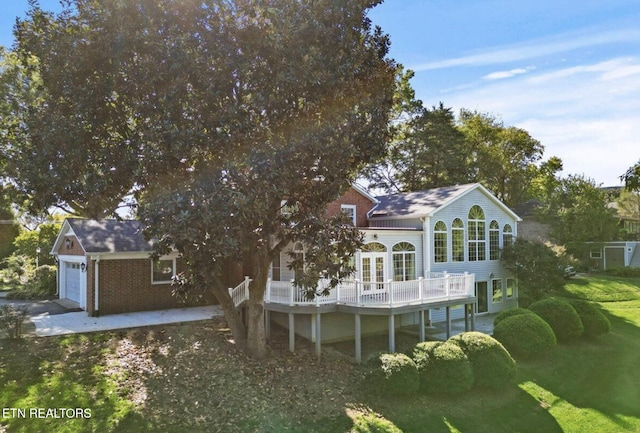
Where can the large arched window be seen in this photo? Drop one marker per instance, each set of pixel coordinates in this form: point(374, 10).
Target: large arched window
point(457, 240)
point(477, 236)
point(404, 261)
point(440, 242)
point(494, 240)
point(507, 235)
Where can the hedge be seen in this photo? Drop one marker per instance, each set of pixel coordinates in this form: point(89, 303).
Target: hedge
point(492, 364)
point(593, 320)
point(525, 335)
point(509, 313)
point(394, 373)
point(443, 368)
point(561, 316)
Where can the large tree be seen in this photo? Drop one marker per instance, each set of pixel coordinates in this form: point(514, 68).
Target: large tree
point(426, 149)
point(631, 177)
point(502, 158)
point(214, 113)
point(578, 212)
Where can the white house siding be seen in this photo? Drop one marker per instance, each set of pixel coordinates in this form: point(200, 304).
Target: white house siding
point(485, 270)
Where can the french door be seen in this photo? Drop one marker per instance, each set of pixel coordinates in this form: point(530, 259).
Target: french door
point(373, 270)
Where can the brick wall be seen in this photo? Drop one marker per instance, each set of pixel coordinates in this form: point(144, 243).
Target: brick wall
point(75, 248)
point(125, 286)
point(353, 197)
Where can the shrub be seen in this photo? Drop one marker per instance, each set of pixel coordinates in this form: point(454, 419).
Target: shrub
point(561, 316)
point(593, 320)
point(443, 368)
point(492, 365)
point(394, 373)
point(40, 285)
point(525, 335)
point(509, 313)
point(11, 319)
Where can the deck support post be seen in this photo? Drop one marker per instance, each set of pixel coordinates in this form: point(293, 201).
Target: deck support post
point(448, 322)
point(473, 317)
point(267, 323)
point(392, 333)
point(466, 317)
point(358, 338)
point(318, 335)
point(422, 336)
point(292, 333)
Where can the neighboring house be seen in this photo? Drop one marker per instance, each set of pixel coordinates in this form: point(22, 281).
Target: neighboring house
point(611, 255)
point(106, 267)
point(429, 256)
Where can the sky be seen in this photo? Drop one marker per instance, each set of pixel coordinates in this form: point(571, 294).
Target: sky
point(566, 71)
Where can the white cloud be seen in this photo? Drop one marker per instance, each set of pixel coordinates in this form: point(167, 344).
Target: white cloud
point(535, 49)
point(507, 74)
point(588, 115)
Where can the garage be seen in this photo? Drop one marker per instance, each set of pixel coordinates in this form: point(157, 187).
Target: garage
point(72, 284)
point(613, 257)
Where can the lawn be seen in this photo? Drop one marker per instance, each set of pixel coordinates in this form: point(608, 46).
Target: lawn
point(190, 378)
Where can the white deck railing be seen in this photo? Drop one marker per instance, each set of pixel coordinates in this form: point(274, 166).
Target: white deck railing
point(240, 293)
point(438, 287)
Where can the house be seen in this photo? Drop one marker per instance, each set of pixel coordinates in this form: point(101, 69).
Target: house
point(614, 254)
point(106, 267)
point(429, 256)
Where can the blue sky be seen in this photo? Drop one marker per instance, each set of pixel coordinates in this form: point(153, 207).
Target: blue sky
point(566, 71)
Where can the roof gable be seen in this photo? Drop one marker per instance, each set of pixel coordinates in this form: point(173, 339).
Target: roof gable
point(106, 235)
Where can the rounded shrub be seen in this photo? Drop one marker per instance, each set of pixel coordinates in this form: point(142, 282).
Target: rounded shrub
point(525, 335)
point(593, 320)
point(492, 365)
point(394, 373)
point(509, 313)
point(443, 368)
point(561, 316)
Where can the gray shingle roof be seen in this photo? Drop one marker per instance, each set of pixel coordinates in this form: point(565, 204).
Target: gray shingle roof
point(417, 203)
point(110, 236)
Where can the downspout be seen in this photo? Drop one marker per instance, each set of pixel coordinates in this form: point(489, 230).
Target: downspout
point(96, 289)
point(426, 247)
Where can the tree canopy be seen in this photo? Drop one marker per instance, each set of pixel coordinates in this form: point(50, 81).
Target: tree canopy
point(217, 115)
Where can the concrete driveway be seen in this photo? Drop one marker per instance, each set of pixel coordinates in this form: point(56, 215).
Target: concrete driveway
point(49, 318)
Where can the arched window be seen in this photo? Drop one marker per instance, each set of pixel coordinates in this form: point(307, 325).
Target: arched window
point(507, 235)
point(404, 261)
point(457, 240)
point(477, 235)
point(440, 242)
point(494, 240)
point(374, 247)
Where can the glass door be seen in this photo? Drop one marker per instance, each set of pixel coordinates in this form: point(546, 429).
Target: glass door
point(482, 304)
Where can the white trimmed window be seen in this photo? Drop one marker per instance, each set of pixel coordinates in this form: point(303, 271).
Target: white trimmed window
point(162, 270)
point(596, 254)
point(494, 240)
point(511, 287)
point(477, 238)
point(496, 289)
point(404, 261)
point(440, 242)
point(350, 211)
point(507, 235)
point(457, 240)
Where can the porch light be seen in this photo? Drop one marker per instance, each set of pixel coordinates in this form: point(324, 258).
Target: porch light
point(83, 267)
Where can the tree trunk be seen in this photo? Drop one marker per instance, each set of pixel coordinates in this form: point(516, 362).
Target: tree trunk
point(237, 328)
point(256, 333)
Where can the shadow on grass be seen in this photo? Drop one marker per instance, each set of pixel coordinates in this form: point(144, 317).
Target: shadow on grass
point(53, 382)
point(480, 411)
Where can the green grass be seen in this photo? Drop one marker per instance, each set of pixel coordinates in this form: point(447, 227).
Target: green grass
point(193, 380)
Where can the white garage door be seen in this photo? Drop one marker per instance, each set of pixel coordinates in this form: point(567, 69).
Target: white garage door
point(72, 281)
